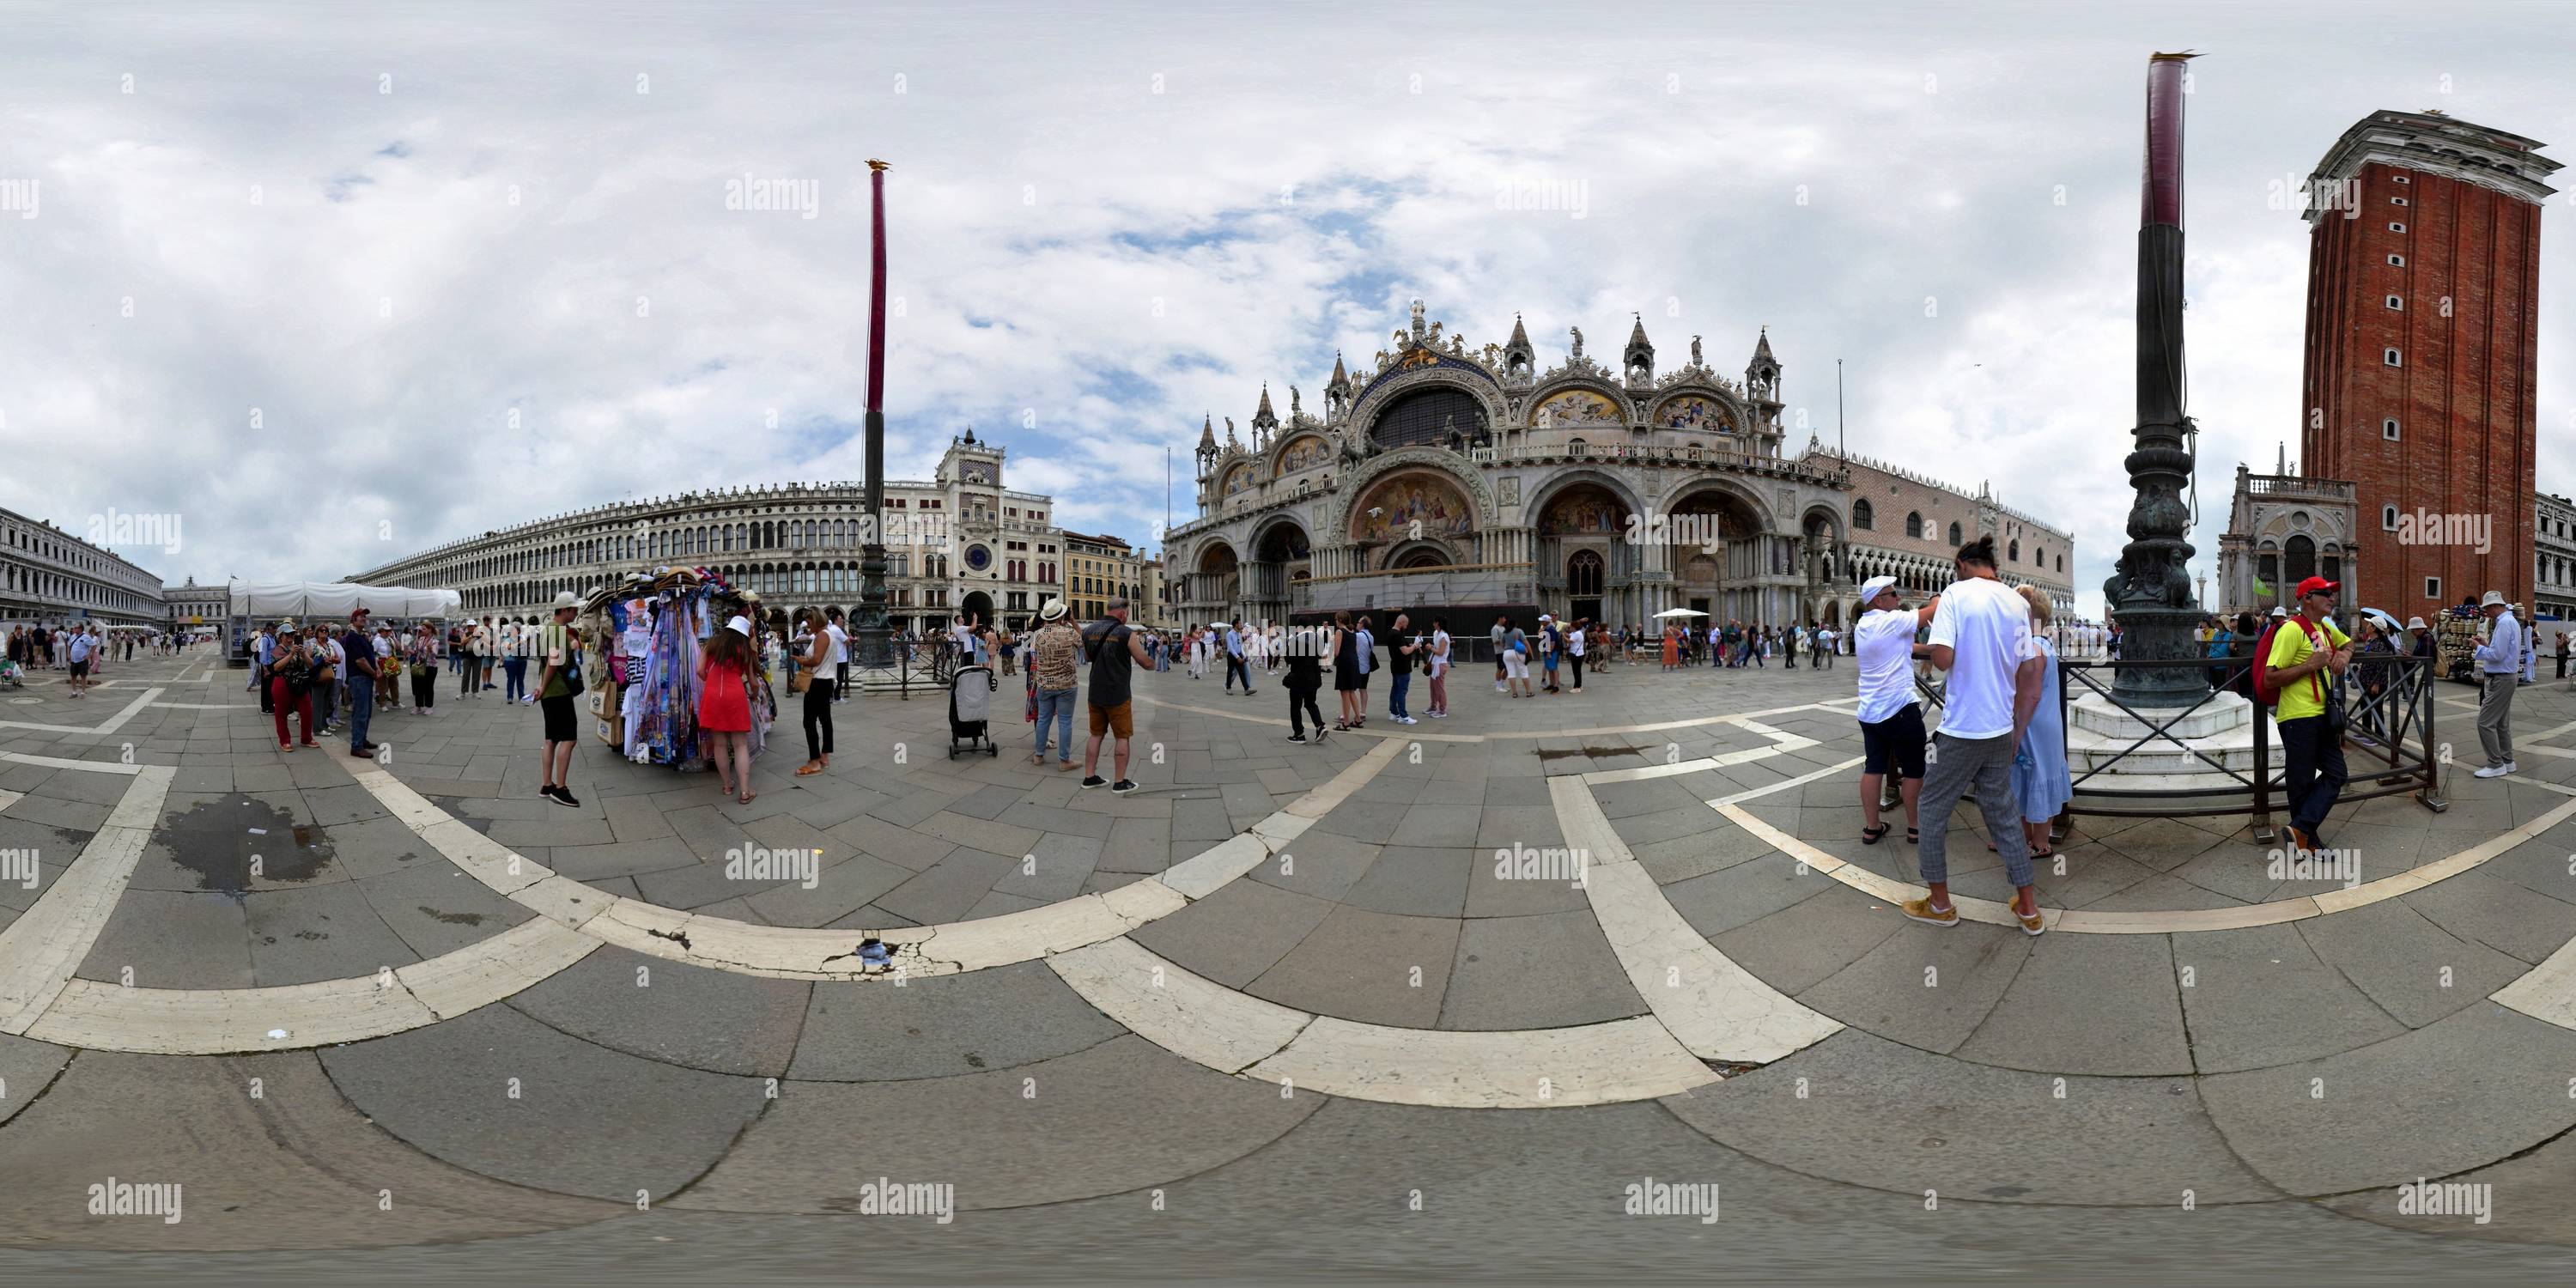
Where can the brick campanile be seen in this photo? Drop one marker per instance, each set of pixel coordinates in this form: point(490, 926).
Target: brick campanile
point(2422, 352)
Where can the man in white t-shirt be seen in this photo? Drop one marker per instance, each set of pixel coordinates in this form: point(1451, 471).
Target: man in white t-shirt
point(1981, 635)
point(1891, 721)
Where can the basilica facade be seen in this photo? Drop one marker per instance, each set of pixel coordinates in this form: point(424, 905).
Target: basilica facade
point(1474, 483)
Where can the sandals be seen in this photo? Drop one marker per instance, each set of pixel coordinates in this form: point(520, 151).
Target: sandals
point(748, 797)
point(806, 770)
point(1873, 835)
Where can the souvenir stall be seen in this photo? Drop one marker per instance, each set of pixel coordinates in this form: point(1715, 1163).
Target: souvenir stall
point(642, 673)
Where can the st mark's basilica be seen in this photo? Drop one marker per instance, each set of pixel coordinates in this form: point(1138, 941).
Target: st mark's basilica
point(1473, 483)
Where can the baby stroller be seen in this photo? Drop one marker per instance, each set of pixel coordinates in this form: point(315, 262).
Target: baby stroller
point(970, 706)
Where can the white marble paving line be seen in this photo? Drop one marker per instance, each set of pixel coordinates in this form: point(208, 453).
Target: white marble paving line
point(1738, 717)
point(1235, 1033)
point(113, 723)
point(1715, 1008)
point(790, 952)
point(1404, 733)
point(2179, 921)
point(9, 798)
point(220, 1021)
point(2543, 736)
point(40, 950)
point(1750, 793)
point(1782, 742)
point(205, 706)
point(62, 762)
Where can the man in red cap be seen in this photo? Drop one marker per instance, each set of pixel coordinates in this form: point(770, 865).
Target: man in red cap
point(2308, 657)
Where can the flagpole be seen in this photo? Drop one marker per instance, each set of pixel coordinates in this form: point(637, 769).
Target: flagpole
point(875, 649)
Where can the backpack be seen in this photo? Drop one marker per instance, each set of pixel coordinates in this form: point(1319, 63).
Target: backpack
point(2264, 695)
point(2264, 692)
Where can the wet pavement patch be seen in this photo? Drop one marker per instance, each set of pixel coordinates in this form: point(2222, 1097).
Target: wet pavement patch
point(452, 918)
point(224, 840)
point(1596, 753)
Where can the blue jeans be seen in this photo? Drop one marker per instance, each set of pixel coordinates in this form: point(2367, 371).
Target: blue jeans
point(1056, 705)
point(515, 669)
point(362, 707)
point(1396, 687)
point(2313, 769)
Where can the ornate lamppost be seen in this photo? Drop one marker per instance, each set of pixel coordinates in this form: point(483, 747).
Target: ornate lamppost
point(2151, 593)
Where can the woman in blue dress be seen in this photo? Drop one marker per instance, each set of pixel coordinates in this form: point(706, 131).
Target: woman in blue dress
point(2040, 781)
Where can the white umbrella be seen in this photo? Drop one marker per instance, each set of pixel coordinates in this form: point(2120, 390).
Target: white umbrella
point(1681, 612)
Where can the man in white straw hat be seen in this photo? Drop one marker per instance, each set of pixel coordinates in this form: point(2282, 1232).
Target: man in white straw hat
point(2499, 663)
point(1891, 722)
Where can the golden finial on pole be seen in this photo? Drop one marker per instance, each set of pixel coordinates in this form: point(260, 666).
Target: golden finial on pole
point(875, 164)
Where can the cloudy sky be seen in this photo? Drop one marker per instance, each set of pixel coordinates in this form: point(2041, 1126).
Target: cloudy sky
point(333, 283)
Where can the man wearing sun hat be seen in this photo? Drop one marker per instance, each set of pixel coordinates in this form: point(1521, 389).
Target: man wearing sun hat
point(2499, 663)
point(1891, 721)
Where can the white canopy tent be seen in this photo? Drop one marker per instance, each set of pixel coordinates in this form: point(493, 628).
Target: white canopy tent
point(333, 600)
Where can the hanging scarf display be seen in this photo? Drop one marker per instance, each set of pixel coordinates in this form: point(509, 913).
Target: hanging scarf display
point(658, 628)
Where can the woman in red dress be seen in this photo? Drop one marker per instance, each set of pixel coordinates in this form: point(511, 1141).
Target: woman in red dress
point(724, 706)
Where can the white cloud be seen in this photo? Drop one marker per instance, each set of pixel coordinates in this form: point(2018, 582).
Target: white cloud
point(1074, 249)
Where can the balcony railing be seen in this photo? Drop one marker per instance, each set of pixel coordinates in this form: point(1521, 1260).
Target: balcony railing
point(2292, 485)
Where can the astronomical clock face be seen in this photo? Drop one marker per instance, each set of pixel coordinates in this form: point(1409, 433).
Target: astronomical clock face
point(979, 558)
point(1574, 408)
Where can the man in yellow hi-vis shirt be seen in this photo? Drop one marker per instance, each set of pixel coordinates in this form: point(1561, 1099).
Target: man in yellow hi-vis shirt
point(2303, 675)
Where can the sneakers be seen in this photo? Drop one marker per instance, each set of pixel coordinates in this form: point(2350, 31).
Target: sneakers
point(1406, 720)
point(2495, 771)
point(1296, 737)
point(1922, 910)
point(1122, 787)
point(2032, 923)
point(1093, 780)
point(560, 796)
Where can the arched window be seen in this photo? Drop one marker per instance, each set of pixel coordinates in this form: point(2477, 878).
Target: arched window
point(1955, 540)
point(1583, 575)
point(2015, 552)
point(1914, 524)
point(2301, 559)
point(1862, 516)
